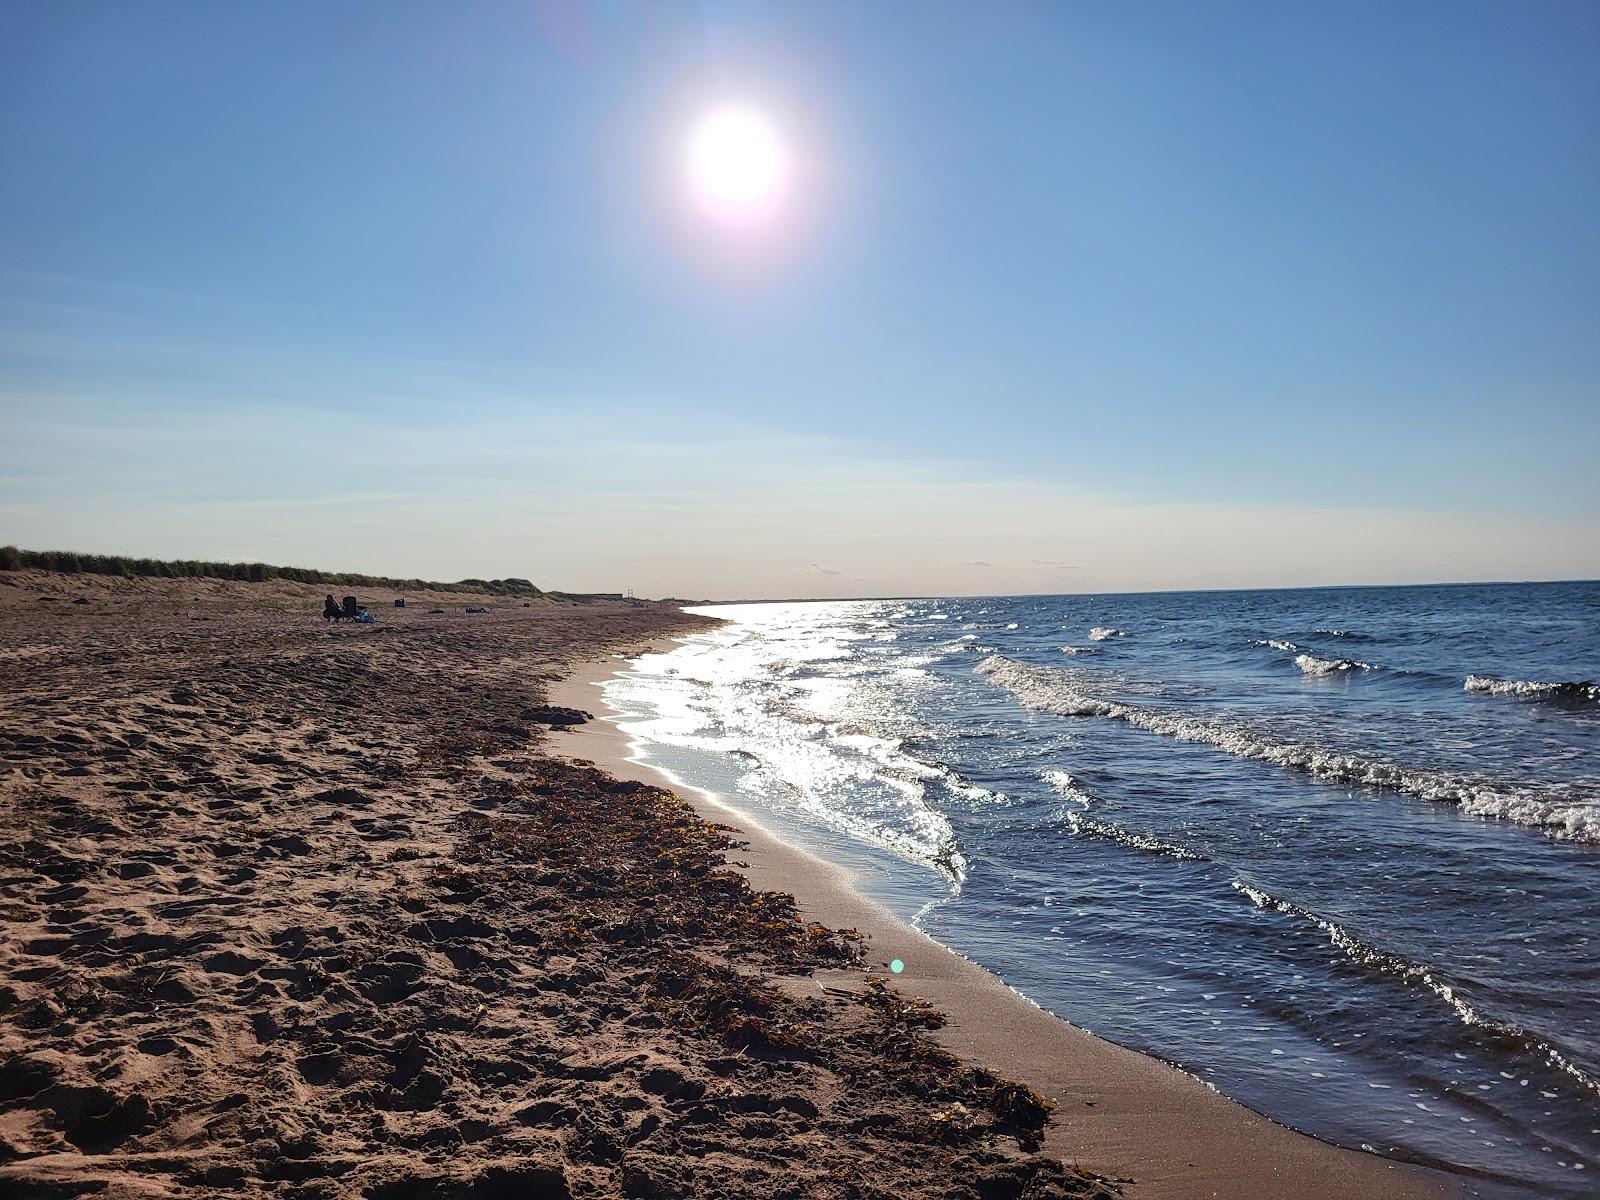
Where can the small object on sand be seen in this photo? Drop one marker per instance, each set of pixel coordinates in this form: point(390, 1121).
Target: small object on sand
point(81, 600)
point(399, 603)
point(476, 609)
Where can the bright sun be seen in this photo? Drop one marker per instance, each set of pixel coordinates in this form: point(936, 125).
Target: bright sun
point(738, 166)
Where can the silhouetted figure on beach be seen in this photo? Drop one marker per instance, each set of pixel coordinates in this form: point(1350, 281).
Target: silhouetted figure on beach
point(330, 610)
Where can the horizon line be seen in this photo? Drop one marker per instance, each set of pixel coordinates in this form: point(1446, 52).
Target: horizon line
point(1309, 587)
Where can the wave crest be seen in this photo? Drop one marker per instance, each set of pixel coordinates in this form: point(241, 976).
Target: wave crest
point(1367, 955)
point(1101, 632)
point(1083, 825)
point(1580, 690)
point(1066, 787)
point(1561, 814)
point(1322, 667)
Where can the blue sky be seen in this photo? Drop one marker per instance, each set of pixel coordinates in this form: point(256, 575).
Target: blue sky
point(1098, 295)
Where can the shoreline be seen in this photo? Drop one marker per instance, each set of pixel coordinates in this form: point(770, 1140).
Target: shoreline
point(292, 910)
point(383, 939)
point(1108, 1097)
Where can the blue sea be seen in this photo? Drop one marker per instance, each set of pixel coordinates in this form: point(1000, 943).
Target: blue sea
point(1334, 851)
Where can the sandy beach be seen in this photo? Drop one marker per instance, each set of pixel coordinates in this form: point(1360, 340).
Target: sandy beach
point(312, 911)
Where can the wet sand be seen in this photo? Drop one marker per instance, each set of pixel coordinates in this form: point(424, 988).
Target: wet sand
point(1120, 1114)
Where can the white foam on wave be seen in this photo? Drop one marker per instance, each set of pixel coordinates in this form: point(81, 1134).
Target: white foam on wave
point(1079, 650)
point(1101, 632)
point(1067, 787)
point(1275, 644)
point(1083, 825)
point(1323, 667)
point(1417, 974)
point(1491, 686)
point(774, 693)
point(1060, 690)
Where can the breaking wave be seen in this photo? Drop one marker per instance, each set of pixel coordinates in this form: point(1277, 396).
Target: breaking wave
point(828, 783)
point(1565, 815)
point(1067, 787)
point(1580, 691)
point(1312, 665)
point(1101, 632)
point(1083, 825)
point(1079, 650)
point(1418, 975)
point(1274, 644)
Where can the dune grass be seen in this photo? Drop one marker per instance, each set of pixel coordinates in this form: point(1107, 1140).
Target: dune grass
point(74, 563)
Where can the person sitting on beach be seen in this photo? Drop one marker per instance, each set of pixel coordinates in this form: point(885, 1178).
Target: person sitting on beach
point(330, 609)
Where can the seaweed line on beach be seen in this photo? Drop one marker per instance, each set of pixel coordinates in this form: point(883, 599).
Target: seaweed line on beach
point(309, 912)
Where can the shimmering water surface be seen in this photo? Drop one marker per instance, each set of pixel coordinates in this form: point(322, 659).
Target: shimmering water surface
point(1332, 850)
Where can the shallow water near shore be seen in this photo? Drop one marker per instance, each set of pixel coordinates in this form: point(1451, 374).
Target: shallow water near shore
point(1334, 851)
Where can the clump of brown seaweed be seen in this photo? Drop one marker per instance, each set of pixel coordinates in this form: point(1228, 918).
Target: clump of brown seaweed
point(645, 881)
point(658, 871)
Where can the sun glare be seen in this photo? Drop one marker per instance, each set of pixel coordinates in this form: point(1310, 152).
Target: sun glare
point(738, 166)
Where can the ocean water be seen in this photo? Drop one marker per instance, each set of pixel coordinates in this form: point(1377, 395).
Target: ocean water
point(1334, 851)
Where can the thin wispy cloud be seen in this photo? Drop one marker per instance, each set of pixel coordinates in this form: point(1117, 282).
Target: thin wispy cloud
point(544, 499)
